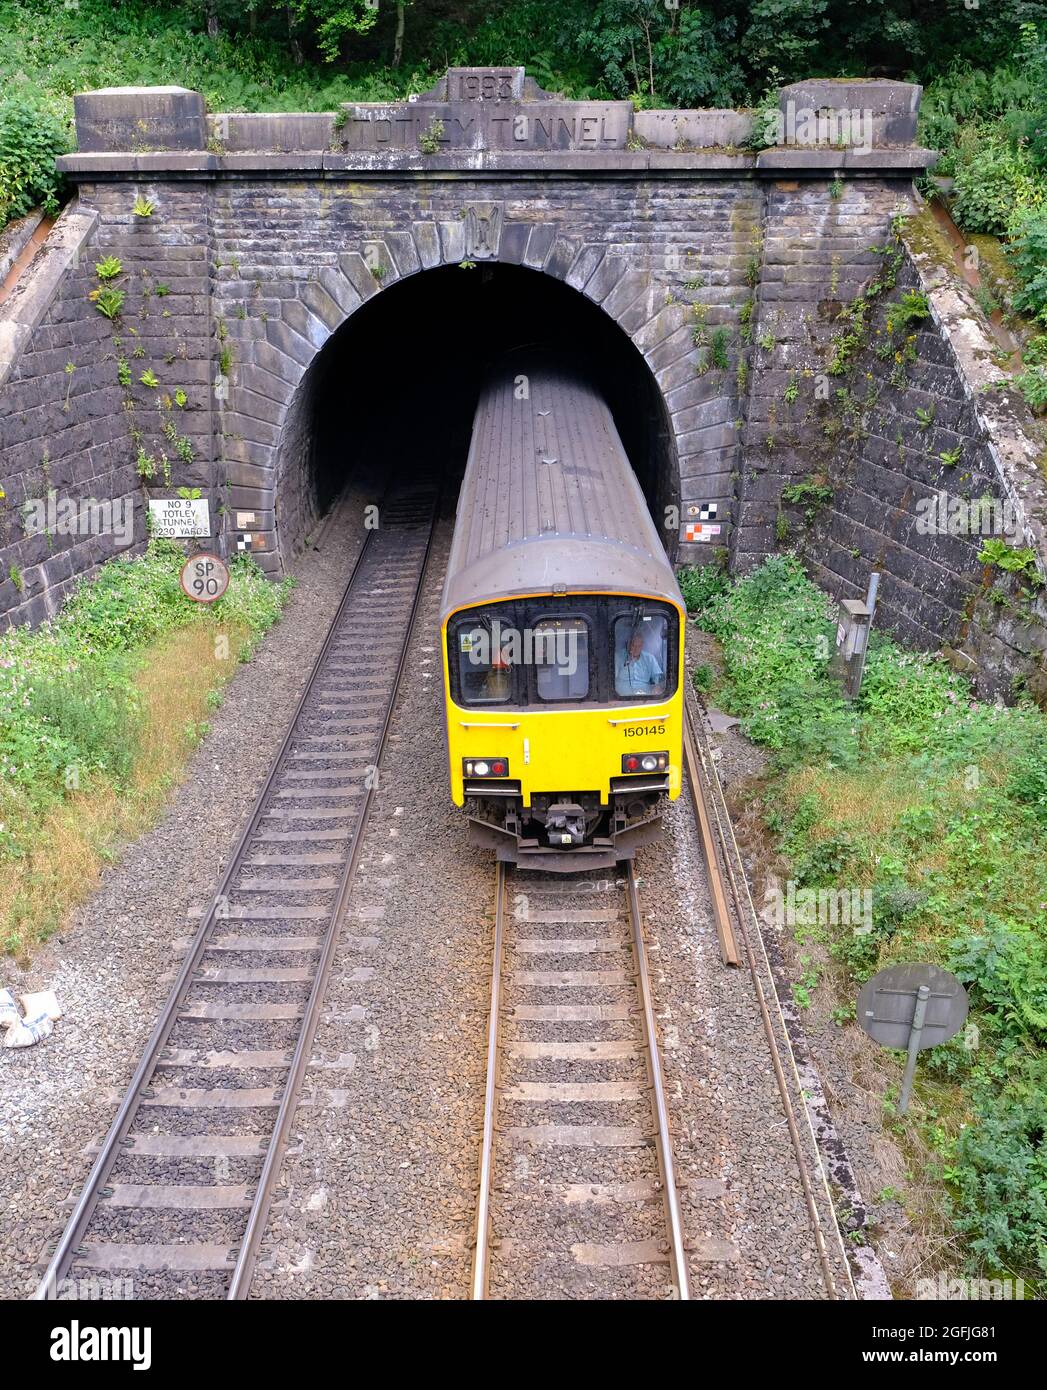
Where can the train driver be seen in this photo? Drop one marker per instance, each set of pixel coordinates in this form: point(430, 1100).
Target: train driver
point(636, 670)
point(498, 678)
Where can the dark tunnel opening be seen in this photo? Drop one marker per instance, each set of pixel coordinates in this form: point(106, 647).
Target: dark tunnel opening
point(396, 386)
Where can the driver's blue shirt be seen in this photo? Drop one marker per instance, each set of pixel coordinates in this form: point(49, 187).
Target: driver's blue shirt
point(636, 675)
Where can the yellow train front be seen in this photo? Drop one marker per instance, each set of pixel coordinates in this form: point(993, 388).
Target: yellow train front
point(562, 631)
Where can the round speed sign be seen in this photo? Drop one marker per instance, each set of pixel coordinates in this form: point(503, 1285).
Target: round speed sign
point(204, 578)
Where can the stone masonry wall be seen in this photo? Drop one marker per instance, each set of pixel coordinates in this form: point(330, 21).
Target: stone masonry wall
point(68, 427)
point(814, 256)
point(295, 262)
point(58, 431)
point(905, 437)
point(255, 243)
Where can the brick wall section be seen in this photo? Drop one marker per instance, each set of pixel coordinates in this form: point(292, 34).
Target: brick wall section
point(928, 581)
point(165, 327)
point(814, 257)
point(72, 433)
point(265, 257)
point(61, 432)
point(883, 462)
point(293, 267)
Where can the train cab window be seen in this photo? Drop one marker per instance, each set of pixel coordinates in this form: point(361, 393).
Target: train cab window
point(561, 658)
point(641, 656)
point(484, 667)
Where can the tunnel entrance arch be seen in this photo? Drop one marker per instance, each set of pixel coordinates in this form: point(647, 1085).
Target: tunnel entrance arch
point(394, 384)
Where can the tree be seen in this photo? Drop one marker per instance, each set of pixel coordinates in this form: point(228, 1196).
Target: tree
point(331, 22)
point(398, 40)
point(684, 54)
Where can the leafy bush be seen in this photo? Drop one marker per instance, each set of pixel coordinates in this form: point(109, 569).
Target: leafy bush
point(93, 718)
point(129, 603)
point(1029, 253)
point(1028, 783)
point(905, 696)
point(1006, 967)
point(777, 636)
point(31, 139)
point(1000, 1176)
point(996, 182)
point(700, 584)
point(912, 307)
point(1032, 383)
point(1011, 559)
point(702, 678)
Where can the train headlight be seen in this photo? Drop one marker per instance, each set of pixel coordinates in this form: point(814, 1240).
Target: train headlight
point(645, 762)
point(485, 767)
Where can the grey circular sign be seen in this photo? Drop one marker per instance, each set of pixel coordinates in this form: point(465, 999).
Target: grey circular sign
point(887, 1002)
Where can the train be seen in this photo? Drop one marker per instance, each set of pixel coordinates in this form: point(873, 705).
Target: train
point(561, 628)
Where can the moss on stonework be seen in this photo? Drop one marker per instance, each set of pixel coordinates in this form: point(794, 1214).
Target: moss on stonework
point(993, 266)
point(923, 236)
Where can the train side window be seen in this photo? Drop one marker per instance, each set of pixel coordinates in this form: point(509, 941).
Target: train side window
point(641, 656)
point(485, 674)
point(561, 658)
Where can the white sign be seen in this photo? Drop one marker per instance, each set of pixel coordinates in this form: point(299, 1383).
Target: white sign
point(177, 518)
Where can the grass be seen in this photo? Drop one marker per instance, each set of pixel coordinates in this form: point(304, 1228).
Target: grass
point(937, 803)
point(53, 51)
point(99, 713)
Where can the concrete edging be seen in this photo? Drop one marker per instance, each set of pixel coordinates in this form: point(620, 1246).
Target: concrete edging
point(31, 298)
point(15, 238)
point(1002, 414)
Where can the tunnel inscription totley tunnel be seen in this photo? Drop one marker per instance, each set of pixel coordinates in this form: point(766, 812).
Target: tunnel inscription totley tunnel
point(293, 284)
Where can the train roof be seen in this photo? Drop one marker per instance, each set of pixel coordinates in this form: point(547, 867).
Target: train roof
point(549, 500)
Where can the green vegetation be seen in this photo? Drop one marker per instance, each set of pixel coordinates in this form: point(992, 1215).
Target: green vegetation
point(937, 804)
point(79, 732)
point(810, 493)
point(429, 139)
point(1011, 560)
point(109, 268)
point(700, 584)
point(31, 139)
point(911, 307)
point(991, 125)
point(108, 301)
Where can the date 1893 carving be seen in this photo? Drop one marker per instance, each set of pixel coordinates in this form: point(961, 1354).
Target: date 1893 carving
point(483, 86)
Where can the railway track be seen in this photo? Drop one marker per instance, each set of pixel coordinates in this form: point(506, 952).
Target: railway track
point(578, 1189)
point(741, 940)
point(577, 1096)
point(177, 1198)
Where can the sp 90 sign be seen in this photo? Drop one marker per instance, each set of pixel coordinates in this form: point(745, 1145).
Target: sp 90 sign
point(204, 578)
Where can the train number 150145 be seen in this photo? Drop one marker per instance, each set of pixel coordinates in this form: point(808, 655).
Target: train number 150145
point(644, 730)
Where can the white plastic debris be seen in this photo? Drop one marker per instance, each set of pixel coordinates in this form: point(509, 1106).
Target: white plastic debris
point(43, 1002)
point(8, 1009)
point(28, 1031)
